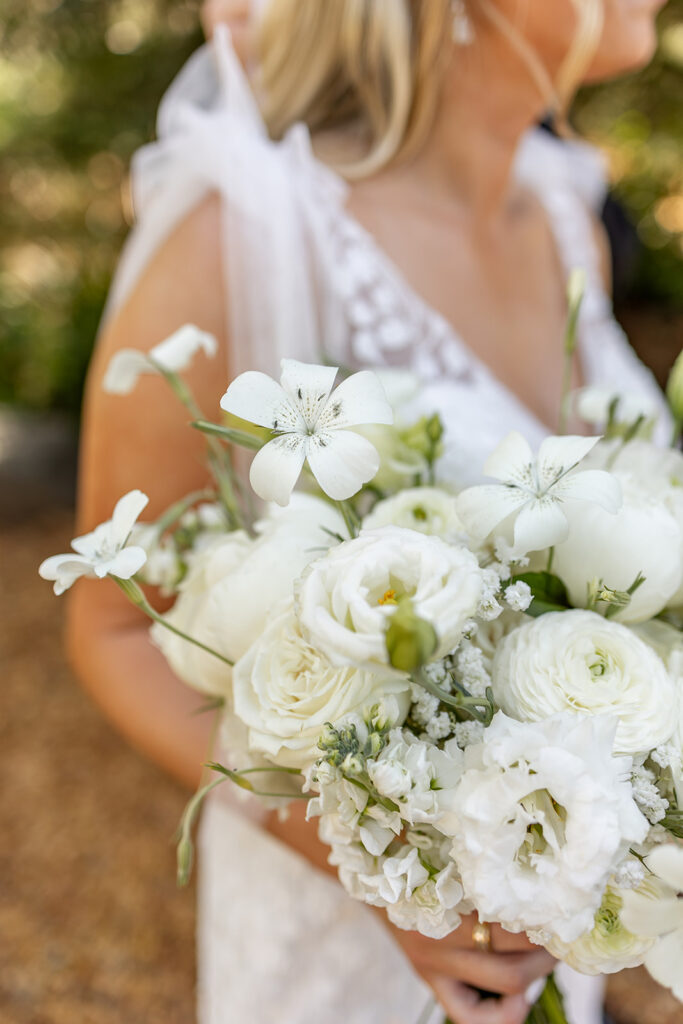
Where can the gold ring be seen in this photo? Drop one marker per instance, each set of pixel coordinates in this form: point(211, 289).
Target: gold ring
point(481, 937)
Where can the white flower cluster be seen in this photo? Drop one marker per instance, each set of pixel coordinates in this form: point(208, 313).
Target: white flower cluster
point(473, 687)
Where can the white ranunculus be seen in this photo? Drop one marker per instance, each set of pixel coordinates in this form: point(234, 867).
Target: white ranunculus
point(345, 600)
point(232, 586)
point(104, 552)
point(429, 510)
point(661, 916)
point(580, 662)
point(645, 536)
point(311, 423)
point(416, 775)
point(544, 814)
point(172, 356)
point(609, 946)
point(285, 692)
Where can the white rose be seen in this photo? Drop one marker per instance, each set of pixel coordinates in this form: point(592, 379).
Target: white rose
point(345, 600)
point(544, 815)
point(609, 946)
point(232, 586)
point(580, 662)
point(645, 535)
point(285, 692)
point(428, 510)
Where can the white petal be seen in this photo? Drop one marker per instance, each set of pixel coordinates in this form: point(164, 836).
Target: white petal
point(664, 962)
point(511, 461)
point(667, 863)
point(257, 398)
point(482, 508)
point(557, 455)
point(64, 570)
point(126, 563)
point(126, 511)
point(308, 387)
point(358, 399)
point(124, 368)
point(645, 916)
point(276, 467)
point(591, 485)
point(539, 525)
point(177, 352)
point(342, 462)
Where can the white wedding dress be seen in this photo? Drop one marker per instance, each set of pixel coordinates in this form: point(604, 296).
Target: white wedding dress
point(277, 940)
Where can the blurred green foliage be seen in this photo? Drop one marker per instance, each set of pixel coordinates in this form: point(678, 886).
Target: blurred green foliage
point(80, 81)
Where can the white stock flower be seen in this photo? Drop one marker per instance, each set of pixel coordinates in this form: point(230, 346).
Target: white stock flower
point(416, 775)
point(233, 584)
point(579, 662)
point(173, 355)
point(609, 946)
point(285, 692)
point(428, 510)
point(644, 536)
point(544, 814)
point(661, 917)
point(535, 490)
point(104, 552)
point(345, 600)
point(310, 422)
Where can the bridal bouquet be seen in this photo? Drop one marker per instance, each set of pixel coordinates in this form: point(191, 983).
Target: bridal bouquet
point(479, 693)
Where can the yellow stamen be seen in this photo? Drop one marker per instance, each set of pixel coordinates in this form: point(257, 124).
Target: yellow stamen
point(388, 597)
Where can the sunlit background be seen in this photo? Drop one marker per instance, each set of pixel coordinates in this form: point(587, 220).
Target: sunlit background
point(79, 84)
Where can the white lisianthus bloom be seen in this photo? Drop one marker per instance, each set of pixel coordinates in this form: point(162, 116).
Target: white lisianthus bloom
point(593, 404)
point(544, 814)
point(644, 536)
point(173, 355)
point(285, 691)
point(579, 662)
point(104, 552)
point(232, 586)
point(345, 600)
point(416, 775)
point(609, 946)
point(661, 917)
point(310, 422)
point(534, 490)
point(428, 510)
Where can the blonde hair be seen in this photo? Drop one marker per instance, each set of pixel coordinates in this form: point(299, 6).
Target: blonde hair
point(376, 65)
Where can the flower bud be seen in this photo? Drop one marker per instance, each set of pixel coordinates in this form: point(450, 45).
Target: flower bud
point(410, 640)
point(674, 390)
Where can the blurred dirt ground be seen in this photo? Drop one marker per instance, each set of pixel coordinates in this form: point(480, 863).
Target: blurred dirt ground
point(92, 927)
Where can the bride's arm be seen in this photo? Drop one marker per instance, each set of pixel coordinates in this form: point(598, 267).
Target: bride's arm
point(142, 440)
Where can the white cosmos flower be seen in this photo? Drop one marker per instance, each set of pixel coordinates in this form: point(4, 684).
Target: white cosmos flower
point(102, 552)
point(580, 662)
point(310, 421)
point(543, 815)
point(346, 599)
point(661, 918)
point(533, 490)
point(172, 355)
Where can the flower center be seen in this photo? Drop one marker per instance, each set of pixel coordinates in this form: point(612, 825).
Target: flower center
point(388, 597)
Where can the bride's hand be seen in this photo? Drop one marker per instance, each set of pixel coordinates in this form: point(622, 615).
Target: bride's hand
point(453, 968)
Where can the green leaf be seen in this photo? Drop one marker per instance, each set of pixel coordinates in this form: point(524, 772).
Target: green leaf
point(549, 592)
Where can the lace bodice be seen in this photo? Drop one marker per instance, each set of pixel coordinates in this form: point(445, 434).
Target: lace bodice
point(277, 940)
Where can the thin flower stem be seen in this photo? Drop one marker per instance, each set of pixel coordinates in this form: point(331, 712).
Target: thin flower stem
point(134, 593)
point(549, 1009)
point(185, 848)
point(575, 299)
point(463, 702)
point(551, 555)
point(237, 777)
point(350, 518)
point(175, 511)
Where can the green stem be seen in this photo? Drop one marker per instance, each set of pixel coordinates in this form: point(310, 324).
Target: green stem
point(575, 298)
point(551, 555)
point(175, 511)
point(350, 518)
point(134, 593)
point(463, 702)
point(185, 848)
point(549, 1008)
point(237, 778)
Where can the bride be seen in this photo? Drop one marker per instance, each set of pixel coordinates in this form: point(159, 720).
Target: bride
point(377, 198)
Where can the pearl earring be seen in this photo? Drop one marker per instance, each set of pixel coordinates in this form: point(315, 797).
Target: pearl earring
point(461, 24)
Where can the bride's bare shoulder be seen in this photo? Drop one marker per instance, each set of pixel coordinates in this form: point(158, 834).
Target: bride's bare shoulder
point(183, 282)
